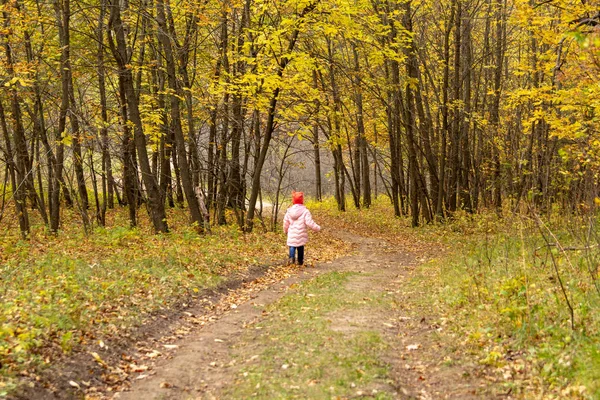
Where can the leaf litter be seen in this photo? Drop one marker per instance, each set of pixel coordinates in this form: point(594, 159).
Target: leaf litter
point(118, 372)
point(413, 355)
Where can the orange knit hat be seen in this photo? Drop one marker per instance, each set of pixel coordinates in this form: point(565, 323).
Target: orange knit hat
point(297, 197)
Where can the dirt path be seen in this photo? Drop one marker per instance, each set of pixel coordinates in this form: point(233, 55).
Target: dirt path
point(418, 356)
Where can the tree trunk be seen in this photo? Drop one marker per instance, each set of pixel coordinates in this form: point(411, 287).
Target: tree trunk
point(186, 175)
point(316, 146)
point(237, 128)
point(411, 69)
point(213, 149)
point(495, 109)
point(18, 191)
point(270, 125)
point(155, 205)
point(445, 123)
point(363, 157)
point(335, 134)
point(464, 183)
point(107, 176)
point(128, 152)
point(183, 51)
point(454, 166)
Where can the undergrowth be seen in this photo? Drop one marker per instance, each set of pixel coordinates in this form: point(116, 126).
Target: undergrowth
point(505, 285)
point(511, 289)
point(61, 292)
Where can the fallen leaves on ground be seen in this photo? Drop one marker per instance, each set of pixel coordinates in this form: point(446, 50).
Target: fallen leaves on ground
point(71, 291)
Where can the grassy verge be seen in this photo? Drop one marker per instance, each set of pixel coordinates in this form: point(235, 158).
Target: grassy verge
point(506, 291)
point(58, 293)
point(304, 357)
point(503, 292)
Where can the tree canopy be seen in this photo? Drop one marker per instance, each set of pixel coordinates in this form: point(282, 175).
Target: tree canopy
point(440, 104)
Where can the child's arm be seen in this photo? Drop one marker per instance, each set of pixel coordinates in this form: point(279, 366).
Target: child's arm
point(286, 223)
point(310, 223)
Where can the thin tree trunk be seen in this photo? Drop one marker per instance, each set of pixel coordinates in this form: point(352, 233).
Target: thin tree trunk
point(464, 184)
point(155, 205)
point(127, 149)
point(393, 146)
point(409, 118)
point(454, 167)
point(363, 156)
point(495, 109)
point(186, 174)
point(17, 188)
point(176, 170)
point(237, 128)
point(107, 177)
point(334, 132)
point(445, 124)
point(99, 216)
point(270, 125)
point(316, 146)
point(213, 149)
point(41, 199)
point(4, 187)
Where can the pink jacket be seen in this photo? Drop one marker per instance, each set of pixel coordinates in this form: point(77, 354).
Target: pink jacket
point(296, 219)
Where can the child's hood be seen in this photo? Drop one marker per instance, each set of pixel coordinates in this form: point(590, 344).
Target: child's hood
point(296, 211)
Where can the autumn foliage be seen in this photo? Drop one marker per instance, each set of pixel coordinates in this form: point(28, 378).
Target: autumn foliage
point(119, 115)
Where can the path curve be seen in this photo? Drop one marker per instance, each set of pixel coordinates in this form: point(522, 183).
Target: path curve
point(200, 366)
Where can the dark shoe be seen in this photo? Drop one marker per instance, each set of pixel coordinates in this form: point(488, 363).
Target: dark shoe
point(291, 261)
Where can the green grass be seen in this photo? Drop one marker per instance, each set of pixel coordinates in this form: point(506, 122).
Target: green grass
point(501, 290)
point(58, 293)
point(302, 357)
point(497, 288)
point(61, 292)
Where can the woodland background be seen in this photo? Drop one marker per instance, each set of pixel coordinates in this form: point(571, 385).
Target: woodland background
point(441, 105)
point(475, 119)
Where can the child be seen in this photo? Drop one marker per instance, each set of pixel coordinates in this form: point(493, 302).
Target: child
point(296, 219)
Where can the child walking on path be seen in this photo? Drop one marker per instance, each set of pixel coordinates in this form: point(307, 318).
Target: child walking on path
point(296, 219)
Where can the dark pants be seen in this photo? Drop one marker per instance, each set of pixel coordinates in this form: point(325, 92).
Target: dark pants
point(300, 254)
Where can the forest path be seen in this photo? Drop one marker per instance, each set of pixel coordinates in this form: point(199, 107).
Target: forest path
point(244, 353)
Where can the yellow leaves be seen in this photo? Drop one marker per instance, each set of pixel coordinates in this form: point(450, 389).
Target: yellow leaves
point(6, 331)
point(171, 92)
point(376, 58)
point(330, 30)
point(414, 82)
point(153, 118)
point(492, 358)
point(18, 80)
point(523, 93)
point(67, 139)
point(98, 359)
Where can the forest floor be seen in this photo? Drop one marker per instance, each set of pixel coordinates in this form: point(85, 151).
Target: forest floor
point(355, 327)
point(379, 311)
point(351, 328)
